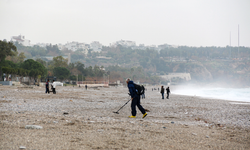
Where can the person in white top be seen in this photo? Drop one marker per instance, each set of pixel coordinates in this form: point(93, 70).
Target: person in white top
point(54, 87)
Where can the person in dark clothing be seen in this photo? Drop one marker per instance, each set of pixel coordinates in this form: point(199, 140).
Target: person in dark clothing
point(47, 87)
point(162, 92)
point(86, 86)
point(143, 92)
point(135, 100)
point(168, 91)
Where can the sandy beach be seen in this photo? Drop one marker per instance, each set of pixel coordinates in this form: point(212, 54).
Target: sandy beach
point(76, 118)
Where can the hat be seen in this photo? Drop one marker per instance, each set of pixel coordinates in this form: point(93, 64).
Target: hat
point(127, 80)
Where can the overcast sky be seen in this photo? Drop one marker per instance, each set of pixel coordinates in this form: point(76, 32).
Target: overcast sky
point(175, 22)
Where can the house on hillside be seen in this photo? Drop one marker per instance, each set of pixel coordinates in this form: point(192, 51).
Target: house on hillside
point(124, 43)
point(96, 46)
point(171, 76)
point(21, 40)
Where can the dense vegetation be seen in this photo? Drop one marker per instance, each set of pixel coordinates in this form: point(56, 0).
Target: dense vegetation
point(205, 64)
point(14, 63)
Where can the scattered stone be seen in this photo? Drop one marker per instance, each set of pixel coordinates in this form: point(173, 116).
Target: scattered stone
point(70, 123)
point(100, 130)
point(164, 127)
point(65, 113)
point(194, 133)
point(172, 122)
point(22, 147)
point(55, 121)
point(33, 127)
point(207, 136)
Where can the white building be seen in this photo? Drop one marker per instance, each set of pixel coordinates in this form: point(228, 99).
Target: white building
point(42, 44)
point(125, 43)
point(74, 46)
point(21, 40)
point(184, 76)
point(96, 46)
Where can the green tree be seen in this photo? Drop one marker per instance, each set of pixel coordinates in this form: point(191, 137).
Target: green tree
point(6, 49)
point(61, 73)
point(59, 61)
point(35, 68)
point(41, 61)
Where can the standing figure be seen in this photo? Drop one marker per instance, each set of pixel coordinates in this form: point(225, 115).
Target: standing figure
point(135, 100)
point(143, 92)
point(168, 91)
point(47, 87)
point(86, 86)
point(54, 87)
point(162, 92)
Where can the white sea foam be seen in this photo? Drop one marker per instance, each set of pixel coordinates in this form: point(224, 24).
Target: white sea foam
point(234, 94)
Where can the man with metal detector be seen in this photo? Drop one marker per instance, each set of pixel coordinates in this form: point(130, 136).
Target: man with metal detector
point(135, 98)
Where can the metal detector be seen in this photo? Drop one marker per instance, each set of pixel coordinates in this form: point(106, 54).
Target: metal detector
point(121, 107)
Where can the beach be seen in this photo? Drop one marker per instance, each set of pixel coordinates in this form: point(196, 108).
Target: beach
point(75, 118)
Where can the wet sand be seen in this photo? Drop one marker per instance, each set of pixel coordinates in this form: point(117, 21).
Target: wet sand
point(76, 118)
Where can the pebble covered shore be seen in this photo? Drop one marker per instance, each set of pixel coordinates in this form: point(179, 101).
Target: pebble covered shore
point(76, 118)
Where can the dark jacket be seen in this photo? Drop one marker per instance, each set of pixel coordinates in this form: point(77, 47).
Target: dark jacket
point(168, 90)
point(131, 89)
point(47, 84)
point(162, 90)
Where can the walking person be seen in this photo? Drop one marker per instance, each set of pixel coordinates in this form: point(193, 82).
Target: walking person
point(47, 87)
point(86, 86)
point(135, 100)
point(143, 92)
point(54, 87)
point(162, 92)
point(168, 91)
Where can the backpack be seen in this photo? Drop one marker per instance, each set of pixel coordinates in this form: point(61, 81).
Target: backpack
point(139, 89)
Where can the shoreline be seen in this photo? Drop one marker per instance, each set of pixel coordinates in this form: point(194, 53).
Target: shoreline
point(181, 122)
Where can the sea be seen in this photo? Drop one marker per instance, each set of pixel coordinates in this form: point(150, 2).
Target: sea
point(232, 94)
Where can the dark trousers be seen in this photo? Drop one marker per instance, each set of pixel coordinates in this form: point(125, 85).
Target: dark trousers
point(143, 96)
point(47, 90)
point(167, 95)
point(54, 90)
point(162, 94)
point(136, 102)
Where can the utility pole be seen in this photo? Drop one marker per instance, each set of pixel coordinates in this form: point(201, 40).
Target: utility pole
point(238, 41)
point(230, 45)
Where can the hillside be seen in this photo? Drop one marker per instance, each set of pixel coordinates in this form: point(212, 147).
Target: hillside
point(205, 64)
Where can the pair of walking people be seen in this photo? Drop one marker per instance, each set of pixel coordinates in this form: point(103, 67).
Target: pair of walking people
point(53, 87)
point(163, 91)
